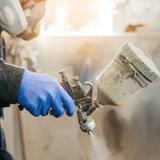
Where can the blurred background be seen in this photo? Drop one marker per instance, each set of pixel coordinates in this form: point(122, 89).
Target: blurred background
point(83, 36)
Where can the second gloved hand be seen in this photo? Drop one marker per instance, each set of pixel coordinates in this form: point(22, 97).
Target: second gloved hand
point(38, 93)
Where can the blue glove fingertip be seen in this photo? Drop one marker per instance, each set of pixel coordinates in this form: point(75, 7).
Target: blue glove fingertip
point(69, 104)
point(58, 115)
point(58, 112)
point(70, 112)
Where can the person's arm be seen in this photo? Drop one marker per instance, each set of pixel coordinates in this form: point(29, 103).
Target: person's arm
point(37, 93)
point(10, 80)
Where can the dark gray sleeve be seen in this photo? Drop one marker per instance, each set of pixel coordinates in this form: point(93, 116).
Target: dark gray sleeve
point(10, 80)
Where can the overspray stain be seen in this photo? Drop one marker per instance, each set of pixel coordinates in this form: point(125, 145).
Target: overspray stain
point(113, 130)
point(116, 78)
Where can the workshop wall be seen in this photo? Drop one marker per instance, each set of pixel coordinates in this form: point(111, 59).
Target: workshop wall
point(144, 11)
point(129, 132)
point(78, 12)
point(126, 12)
point(135, 133)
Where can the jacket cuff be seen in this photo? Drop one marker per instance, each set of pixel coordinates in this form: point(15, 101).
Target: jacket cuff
point(10, 80)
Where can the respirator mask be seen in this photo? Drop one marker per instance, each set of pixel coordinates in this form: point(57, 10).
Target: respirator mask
point(21, 18)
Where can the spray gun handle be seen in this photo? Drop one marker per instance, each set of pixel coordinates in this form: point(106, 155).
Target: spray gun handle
point(51, 111)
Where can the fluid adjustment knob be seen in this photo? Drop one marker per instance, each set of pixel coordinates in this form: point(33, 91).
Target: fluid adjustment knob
point(75, 79)
point(62, 71)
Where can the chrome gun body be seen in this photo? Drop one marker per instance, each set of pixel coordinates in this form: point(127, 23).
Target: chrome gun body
point(83, 100)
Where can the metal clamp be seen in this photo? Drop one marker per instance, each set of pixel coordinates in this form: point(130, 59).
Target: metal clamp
point(143, 81)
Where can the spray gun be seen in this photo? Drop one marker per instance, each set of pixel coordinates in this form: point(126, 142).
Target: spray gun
point(82, 99)
point(129, 72)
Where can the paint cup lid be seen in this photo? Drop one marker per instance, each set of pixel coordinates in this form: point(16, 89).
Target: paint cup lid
point(141, 61)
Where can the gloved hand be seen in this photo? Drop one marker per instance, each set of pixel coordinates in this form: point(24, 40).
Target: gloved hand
point(39, 93)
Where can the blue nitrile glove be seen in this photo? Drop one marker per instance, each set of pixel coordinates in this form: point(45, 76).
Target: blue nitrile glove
point(39, 93)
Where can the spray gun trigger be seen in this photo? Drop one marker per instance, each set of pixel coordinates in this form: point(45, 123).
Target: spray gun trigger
point(89, 93)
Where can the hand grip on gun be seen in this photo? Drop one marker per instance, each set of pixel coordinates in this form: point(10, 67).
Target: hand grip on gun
point(81, 98)
point(38, 93)
point(51, 111)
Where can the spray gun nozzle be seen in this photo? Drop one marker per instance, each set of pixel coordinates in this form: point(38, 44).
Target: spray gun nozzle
point(86, 122)
point(90, 132)
point(88, 126)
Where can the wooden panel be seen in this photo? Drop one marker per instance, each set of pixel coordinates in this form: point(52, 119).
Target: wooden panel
point(12, 130)
point(50, 138)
